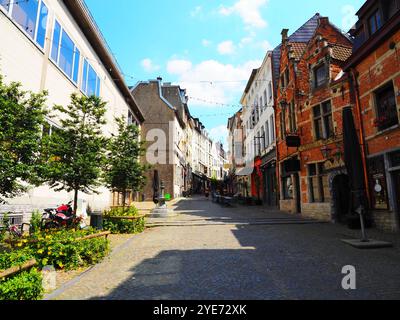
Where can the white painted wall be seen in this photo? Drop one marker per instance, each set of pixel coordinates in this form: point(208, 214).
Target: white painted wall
point(23, 61)
point(262, 83)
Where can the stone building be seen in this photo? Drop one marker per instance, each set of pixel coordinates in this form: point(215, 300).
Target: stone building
point(259, 134)
point(375, 70)
point(163, 132)
point(235, 152)
point(56, 46)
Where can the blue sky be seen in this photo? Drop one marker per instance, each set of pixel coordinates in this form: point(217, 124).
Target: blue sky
point(209, 47)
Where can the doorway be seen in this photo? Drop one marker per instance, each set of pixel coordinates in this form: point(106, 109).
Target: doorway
point(396, 183)
point(270, 190)
point(298, 192)
point(341, 197)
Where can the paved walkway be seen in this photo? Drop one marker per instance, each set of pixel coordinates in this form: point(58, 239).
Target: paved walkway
point(211, 252)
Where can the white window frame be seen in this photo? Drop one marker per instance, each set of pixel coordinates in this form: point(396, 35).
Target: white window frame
point(98, 83)
point(62, 30)
point(33, 39)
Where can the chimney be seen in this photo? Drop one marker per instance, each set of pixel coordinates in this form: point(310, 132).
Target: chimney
point(284, 34)
point(323, 21)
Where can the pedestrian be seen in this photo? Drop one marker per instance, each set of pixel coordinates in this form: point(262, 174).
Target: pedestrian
point(207, 193)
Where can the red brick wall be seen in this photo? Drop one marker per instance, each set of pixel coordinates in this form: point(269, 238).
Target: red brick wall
point(338, 93)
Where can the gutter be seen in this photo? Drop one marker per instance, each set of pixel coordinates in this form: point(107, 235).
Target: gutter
point(86, 23)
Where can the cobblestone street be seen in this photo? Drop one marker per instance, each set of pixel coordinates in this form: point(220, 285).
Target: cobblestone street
point(211, 252)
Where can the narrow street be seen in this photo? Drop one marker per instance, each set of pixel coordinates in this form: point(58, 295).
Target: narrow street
point(211, 252)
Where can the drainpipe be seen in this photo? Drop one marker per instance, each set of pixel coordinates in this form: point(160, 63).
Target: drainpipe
point(361, 131)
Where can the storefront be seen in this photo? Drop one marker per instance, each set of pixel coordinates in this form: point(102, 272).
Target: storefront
point(290, 185)
point(270, 191)
point(384, 186)
point(257, 184)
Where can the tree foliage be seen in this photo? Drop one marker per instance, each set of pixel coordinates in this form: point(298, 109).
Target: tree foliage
point(123, 170)
point(22, 115)
point(76, 153)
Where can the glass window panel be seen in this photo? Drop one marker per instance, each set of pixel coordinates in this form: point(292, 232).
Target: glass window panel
point(386, 108)
point(395, 159)
point(317, 111)
point(272, 129)
point(5, 4)
point(91, 82)
point(84, 76)
point(56, 41)
point(318, 128)
point(66, 54)
point(327, 108)
point(98, 87)
point(320, 75)
point(312, 170)
point(76, 65)
point(378, 185)
point(42, 25)
point(25, 14)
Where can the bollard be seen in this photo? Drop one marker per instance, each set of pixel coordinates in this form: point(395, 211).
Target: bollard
point(49, 282)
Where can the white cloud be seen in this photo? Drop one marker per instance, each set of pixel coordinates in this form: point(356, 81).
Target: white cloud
point(178, 67)
point(265, 45)
point(219, 134)
point(149, 66)
point(349, 17)
point(206, 43)
point(196, 11)
point(226, 47)
point(212, 80)
point(248, 10)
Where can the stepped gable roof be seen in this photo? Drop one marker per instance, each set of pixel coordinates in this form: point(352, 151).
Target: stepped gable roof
point(301, 35)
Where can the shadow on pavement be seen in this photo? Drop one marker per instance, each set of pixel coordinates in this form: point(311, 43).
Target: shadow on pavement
point(271, 263)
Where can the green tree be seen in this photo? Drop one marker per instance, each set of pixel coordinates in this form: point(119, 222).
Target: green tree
point(77, 152)
point(123, 170)
point(22, 115)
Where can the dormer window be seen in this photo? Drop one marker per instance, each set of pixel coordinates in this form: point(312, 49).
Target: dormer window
point(375, 22)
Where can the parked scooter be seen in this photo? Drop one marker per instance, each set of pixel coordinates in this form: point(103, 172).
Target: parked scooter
point(62, 217)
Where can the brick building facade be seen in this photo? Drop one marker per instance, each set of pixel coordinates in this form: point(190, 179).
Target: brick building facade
point(313, 90)
point(375, 68)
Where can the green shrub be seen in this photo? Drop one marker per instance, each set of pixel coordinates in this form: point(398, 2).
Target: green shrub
point(15, 258)
point(36, 221)
point(26, 285)
point(123, 226)
point(63, 251)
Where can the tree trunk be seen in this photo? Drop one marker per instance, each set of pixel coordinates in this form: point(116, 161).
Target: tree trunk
point(123, 199)
point(76, 201)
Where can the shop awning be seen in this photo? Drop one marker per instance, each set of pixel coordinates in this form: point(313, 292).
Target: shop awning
point(246, 171)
